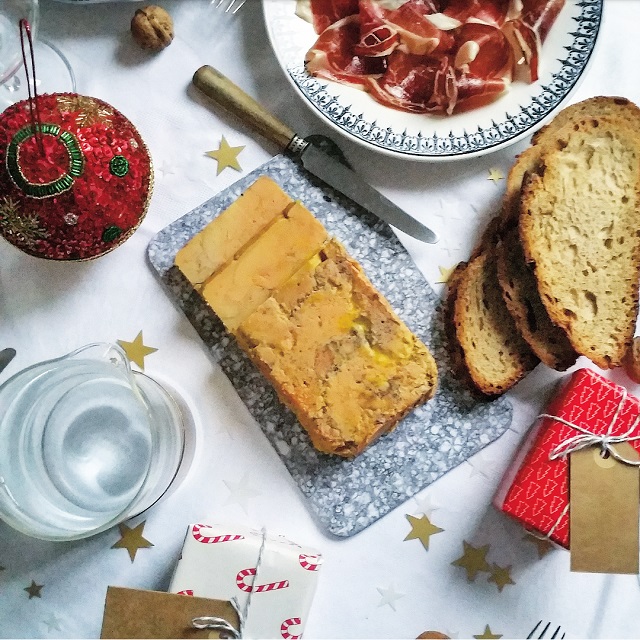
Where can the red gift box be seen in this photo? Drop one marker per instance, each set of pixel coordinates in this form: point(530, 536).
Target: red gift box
point(535, 489)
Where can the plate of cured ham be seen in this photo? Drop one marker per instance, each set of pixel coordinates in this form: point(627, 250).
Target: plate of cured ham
point(434, 79)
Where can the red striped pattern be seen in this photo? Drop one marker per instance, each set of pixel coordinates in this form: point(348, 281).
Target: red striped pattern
point(284, 628)
point(309, 562)
point(195, 530)
point(271, 586)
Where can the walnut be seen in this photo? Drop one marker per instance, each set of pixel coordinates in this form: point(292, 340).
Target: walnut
point(152, 27)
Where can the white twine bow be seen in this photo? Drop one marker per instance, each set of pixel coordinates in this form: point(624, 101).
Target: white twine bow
point(586, 438)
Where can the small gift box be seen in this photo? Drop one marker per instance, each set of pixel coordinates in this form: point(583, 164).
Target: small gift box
point(271, 579)
point(589, 412)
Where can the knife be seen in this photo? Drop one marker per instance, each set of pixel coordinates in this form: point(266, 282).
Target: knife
point(330, 170)
point(6, 356)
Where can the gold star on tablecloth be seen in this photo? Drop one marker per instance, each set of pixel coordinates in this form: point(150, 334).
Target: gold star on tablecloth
point(473, 560)
point(495, 175)
point(542, 544)
point(136, 350)
point(421, 529)
point(488, 634)
point(501, 576)
point(445, 274)
point(34, 590)
point(226, 156)
point(132, 540)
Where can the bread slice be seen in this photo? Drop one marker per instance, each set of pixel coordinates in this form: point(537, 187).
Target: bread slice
point(494, 353)
point(337, 354)
point(580, 227)
point(548, 341)
point(520, 293)
point(589, 108)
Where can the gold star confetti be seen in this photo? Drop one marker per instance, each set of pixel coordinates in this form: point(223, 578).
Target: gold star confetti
point(132, 540)
point(495, 175)
point(445, 274)
point(34, 590)
point(501, 576)
point(422, 529)
point(136, 350)
point(473, 560)
point(542, 544)
point(226, 156)
point(488, 634)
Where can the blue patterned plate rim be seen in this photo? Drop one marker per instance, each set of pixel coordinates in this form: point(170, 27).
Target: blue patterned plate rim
point(377, 127)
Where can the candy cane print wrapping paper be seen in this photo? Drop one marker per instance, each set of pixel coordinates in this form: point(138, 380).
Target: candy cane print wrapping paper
point(273, 584)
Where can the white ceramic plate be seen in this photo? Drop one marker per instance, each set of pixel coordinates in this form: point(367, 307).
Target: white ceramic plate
point(519, 113)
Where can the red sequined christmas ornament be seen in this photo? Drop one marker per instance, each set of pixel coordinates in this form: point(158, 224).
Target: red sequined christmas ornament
point(74, 184)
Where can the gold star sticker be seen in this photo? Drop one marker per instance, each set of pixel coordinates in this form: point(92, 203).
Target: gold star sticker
point(501, 576)
point(495, 175)
point(226, 156)
point(542, 544)
point(136, 350)
point(421, 529)
point(34, 590)
point(473, 560)
point(132, 540)
point(488, 635)
point(445, 274)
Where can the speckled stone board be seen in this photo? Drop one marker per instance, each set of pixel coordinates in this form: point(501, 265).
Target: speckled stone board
point(346, 495)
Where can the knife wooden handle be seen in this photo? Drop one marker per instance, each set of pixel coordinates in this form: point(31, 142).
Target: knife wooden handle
point(228, 95)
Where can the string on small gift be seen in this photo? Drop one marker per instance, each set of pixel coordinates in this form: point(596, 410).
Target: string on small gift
point(25, 30)
point(586, 438)
point(220, 624)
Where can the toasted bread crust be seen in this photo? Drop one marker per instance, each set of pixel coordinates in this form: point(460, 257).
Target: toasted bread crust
point(495, 354)
point(580, 228)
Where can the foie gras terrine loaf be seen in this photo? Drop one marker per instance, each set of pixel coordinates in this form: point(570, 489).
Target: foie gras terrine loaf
point(308, 317)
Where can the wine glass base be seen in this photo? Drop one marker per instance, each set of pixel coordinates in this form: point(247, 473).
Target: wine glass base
point(53, 75)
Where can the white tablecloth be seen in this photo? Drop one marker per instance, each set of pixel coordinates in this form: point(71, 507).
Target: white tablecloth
point(47, 309)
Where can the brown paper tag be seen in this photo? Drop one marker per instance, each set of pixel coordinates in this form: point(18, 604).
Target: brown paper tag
point(603, 511)
point(134, 613)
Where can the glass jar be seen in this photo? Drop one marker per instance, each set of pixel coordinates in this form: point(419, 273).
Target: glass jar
point(86, 444)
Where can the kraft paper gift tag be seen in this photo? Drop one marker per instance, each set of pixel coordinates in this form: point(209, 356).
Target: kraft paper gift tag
point(134, 613)
point(603, 510)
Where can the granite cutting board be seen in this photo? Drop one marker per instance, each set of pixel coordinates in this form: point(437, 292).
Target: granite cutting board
point(345, 496)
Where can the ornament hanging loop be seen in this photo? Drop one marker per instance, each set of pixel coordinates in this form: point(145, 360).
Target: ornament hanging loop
point(25, 33)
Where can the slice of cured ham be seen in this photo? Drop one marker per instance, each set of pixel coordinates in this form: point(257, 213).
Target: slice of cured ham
point(333, 57)
point(527, 33)
point(326, 12)
point(418, 28)
point(376, 37)
point(483, 51)
point(493, 12)
point(430, 56)
point(424, 84)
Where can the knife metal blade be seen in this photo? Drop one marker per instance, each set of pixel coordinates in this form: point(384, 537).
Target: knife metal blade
point(337, 175)
point(353, 186)
point(6, 356)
